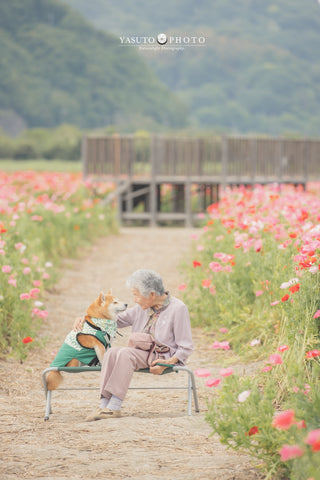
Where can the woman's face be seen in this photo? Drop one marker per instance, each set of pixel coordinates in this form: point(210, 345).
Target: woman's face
point(144, 302)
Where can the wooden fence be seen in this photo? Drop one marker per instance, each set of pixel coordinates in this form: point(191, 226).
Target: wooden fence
point(141, 166)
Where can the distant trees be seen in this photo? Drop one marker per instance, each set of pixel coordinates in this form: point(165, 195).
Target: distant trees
point(56, 68)
point(258, 71)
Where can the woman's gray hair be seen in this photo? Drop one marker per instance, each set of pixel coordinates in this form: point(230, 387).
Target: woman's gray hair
point(146, 281)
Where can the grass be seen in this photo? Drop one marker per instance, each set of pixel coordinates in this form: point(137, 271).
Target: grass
point(41, 165)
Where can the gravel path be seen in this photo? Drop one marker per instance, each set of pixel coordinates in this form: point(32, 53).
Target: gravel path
point(154, 439)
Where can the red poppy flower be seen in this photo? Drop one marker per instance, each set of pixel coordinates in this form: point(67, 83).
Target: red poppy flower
point(294, 288)
point(253, 431)
point(283, 348)
point(285, 298)
point(313, 353)
point(27, 340)
point(196, 263)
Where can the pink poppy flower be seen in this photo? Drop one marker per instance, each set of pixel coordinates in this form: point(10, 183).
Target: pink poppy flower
point(258, 245)
point(284, 420)
point(267, 368)
point(258, 293)
point(301, 424)
point(37, 283)
point(317, 314)
point(226, 372)
point(288, 452)
point(202, 372)
point(217, 345)
point(274, 303)
point(182, 287)
point(275, 359)
point(26, 271)
point(215, 266)
point(13, 282)
point(24, 296)
point(6, 269)
point(223, 330)
point(206, 282)
point(34, 292)
point(313, 438)
point(213, 382)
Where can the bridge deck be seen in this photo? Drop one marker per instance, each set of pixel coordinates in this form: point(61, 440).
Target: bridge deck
point(161, 179)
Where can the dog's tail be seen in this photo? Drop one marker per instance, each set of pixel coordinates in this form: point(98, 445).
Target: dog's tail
point(54, 379)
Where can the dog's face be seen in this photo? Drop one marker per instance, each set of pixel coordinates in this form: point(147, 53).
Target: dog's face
point(106, 306)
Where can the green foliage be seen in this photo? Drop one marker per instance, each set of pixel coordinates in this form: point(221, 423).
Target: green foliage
point(45, 216)
point(63, 142)
point(256, 274)
point(57, 69)
point(233, 299)
point(259, 69)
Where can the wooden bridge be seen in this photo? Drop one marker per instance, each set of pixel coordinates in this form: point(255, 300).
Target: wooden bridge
point(173, 179)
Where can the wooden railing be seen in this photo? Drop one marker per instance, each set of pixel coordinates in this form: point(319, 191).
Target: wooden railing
point(196, 169)
point(223, 160)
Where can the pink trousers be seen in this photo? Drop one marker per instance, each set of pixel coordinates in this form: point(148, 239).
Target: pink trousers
point(117, 369)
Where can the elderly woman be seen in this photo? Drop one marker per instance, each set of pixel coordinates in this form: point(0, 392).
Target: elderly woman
point(166, 318)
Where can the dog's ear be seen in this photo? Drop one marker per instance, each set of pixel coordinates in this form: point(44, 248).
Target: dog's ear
point(110, 292)
point(102, 298)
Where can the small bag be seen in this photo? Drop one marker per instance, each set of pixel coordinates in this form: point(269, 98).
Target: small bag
point(142, 341)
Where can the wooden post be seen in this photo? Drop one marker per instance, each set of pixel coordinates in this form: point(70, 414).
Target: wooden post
point(254, 158)
point(117, 152)
point(188, 205)
point(153, 183)
point(306, 152)
point(281, 150)
point(224, 153)
point(84, 159)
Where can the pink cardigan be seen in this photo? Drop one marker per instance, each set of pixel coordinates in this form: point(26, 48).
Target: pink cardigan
point(173, 327)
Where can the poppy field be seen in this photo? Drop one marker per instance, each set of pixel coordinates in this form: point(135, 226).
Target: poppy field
point(43, 216)
point(254, 285)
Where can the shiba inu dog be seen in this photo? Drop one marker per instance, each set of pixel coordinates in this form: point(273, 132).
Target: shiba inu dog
point(89, 345)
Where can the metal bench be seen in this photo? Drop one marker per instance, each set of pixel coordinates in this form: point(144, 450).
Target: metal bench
point(191, 386)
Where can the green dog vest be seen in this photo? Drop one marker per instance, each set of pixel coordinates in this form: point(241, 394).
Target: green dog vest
point(104, 330)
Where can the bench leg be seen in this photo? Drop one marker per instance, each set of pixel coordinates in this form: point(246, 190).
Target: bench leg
point(192, 389)
point(48, 405)
point(189, 394)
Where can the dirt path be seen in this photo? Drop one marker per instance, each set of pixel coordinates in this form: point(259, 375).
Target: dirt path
point(154, 439)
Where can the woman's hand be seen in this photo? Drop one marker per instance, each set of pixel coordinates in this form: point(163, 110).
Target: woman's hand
point(78, 324)
point(158, 369)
